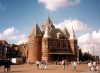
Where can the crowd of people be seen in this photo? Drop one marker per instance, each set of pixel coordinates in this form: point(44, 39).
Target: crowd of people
point(91, 65)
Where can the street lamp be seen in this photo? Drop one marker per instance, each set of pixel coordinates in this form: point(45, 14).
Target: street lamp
point(78, 55)
point(93, 50)
point(88, 55)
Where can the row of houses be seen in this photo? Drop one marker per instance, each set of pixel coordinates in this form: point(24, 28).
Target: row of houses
point(8, 50)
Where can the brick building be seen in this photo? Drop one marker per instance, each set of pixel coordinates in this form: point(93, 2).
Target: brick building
point(51, 44)
point(8, 50)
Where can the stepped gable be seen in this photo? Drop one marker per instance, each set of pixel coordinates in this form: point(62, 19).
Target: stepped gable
point(65, 31)
point(72, 35)
point(48, 23)
point(54, 31)
point(36, 31)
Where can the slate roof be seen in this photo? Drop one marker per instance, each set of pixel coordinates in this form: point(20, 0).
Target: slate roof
point(47, 32)
point(65, 31)
point(48, 23)
point(54, 31)
point(36, 31)
point(72, 35)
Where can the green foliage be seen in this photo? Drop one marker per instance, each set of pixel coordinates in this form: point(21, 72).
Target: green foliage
point(22, 50)
point(80, 55)
point(19, 55)
point(87, 56)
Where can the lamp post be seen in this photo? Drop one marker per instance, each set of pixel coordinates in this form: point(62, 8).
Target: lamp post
point(93, 50)
point(88, 55)
point(78, 55)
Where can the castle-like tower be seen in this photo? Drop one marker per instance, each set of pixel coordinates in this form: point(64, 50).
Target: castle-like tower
point(51, 44)
point(34, 44)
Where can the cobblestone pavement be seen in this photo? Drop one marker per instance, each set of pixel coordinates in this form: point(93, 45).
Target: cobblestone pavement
point(50, 69)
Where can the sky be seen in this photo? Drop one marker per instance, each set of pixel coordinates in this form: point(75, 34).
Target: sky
point(17, 18)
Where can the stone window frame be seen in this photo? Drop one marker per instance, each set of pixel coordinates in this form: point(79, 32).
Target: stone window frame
point(60, 43)
point(31, 44)
point(65, 43)
point(54, 43)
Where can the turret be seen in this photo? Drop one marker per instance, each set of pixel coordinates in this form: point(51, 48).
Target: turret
point(73, 43)
point(48, 23)
point(35, 44)
point(46, 45)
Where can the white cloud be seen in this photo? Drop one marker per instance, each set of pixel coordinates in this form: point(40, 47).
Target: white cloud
point(9, 32)
point(23, 40)
point(2, 8)
point(11, 35)
point(77, 25)
point(87, 41)
point(55, 4)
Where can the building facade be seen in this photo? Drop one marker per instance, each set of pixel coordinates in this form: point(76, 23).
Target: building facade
point(51, 44)
point(8, 50)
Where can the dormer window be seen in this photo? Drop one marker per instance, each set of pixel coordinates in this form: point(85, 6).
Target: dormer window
point(59, 35)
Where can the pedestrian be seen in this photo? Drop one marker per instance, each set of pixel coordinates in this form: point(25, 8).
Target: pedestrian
point(37, 63)
point(94, 65)
point(90, 65)
point(74, 65)
point(7, 65)
point(63, 64)
point(43, 64)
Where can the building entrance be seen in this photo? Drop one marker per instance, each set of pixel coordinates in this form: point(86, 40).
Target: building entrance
point(58, 57)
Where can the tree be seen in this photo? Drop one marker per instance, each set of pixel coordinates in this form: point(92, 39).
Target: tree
point(87, 56)
point(80, 55)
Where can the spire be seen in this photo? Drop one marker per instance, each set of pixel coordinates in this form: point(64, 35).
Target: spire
point(72, 35)
point(48, 23)
point(35, 31)
point(65, 31)
point(47, 33)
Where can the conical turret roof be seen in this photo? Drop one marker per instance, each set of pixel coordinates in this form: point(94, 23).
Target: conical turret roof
point(48, 23)
point(72, 35)
point(65, 31)
point(36, 31)
point(47, 33)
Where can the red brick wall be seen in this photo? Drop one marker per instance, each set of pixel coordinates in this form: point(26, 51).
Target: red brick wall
point(73, 47)
point(34, 49)
point(45, 49)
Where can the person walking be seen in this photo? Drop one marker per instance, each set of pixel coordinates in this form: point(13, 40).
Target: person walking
point(74, 65)
point(94, 65)
point(90, 65)
point(63, 64)
point(37, 63)
point(43, 64)
point(7, 65)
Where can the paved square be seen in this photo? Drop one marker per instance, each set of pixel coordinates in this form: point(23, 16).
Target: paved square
point(27, 68)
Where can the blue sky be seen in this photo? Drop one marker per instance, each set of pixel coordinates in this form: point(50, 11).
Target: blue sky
point(17, 18)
